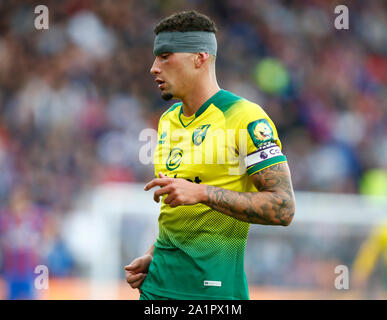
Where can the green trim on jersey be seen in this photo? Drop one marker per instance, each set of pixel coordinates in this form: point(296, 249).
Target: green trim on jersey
point(173, 107)
point(180, 113)
point(265, 164)
point(225, 100)
point(214, 99)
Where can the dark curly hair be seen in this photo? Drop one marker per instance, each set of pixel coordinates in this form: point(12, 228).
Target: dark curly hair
point(186, 21)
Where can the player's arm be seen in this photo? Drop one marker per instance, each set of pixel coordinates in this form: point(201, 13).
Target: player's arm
point(150, 250)
point(274, 204)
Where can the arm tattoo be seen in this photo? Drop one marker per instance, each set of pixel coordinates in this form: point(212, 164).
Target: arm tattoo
point(273, 204)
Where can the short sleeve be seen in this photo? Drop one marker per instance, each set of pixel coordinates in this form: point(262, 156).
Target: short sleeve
point(262, 145)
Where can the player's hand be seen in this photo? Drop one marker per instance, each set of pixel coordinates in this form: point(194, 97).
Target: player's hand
point(137, 270)
point(180, 191)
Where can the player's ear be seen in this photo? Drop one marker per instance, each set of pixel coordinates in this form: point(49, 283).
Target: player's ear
point(201, 58)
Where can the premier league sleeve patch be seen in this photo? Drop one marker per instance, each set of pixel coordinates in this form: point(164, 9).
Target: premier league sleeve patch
point(260, 132)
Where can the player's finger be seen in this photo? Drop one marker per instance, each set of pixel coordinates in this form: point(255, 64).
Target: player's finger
point(157, 182)
point(175, 203)
point(161, 191)
point(161, 175)
point(138, 283)
point(133, 265)
point(170, 198)
point(133, 277)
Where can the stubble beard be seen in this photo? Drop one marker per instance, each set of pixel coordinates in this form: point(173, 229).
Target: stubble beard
point(167, 96)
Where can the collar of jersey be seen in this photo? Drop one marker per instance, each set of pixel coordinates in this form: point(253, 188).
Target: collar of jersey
point(203, 108)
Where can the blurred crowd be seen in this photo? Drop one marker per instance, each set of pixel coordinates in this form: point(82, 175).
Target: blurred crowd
point(74, 98)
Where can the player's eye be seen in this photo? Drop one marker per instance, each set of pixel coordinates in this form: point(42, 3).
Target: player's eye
point(164, 56)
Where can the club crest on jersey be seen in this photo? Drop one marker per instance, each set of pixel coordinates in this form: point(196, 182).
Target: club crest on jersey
point(260, 131)
point(199, 134)
point(174, 159)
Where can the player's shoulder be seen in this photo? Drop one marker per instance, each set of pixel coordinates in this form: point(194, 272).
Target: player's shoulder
point(225, 100)
point(171, 110)
point(233, 105)
point(249, 107)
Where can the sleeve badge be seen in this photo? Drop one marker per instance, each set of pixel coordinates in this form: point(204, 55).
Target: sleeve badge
point(260, 131)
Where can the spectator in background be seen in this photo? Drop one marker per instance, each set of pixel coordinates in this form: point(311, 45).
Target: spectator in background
point(21, 225)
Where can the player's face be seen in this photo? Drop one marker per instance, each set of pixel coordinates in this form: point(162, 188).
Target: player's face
point(172, 74)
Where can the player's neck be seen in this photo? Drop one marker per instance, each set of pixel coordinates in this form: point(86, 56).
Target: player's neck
point(198, 95)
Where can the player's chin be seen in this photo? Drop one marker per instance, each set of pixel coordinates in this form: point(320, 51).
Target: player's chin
point(167, 96)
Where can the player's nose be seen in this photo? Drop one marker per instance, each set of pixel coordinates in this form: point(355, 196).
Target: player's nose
point(155, 69)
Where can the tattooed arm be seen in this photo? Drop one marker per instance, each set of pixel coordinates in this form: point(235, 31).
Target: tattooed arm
point(273, 205)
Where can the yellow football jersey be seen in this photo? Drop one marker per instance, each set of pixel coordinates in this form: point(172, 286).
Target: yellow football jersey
point(199, 251)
